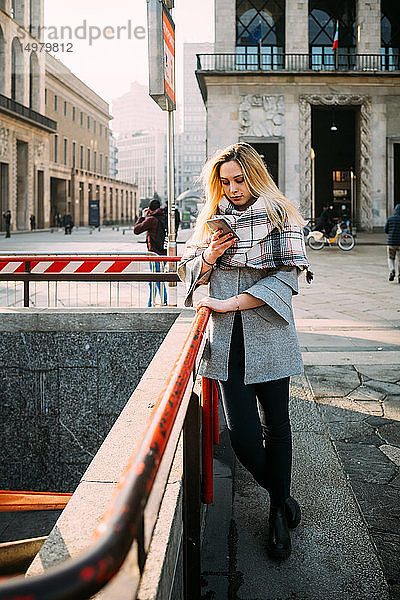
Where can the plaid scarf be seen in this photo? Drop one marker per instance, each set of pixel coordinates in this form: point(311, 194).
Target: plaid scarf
point(261, 245)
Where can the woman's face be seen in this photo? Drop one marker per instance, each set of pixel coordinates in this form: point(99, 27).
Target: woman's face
point(234, 185)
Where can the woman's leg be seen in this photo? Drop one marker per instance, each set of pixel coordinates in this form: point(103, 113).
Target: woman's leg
point(273, 400)
point(241, 412)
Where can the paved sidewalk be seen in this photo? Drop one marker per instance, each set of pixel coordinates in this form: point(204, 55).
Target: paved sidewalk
point(345, 415)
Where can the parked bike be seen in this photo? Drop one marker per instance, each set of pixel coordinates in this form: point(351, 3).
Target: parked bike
point(317, 240)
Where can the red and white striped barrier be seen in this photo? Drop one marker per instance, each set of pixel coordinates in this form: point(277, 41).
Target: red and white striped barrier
point(77, 264)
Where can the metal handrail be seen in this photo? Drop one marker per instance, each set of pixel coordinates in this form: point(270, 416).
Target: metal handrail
point(310, 62)
point(84, 576)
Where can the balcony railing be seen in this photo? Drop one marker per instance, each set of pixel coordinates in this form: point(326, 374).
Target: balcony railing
point(27, 114)
point(264, 61)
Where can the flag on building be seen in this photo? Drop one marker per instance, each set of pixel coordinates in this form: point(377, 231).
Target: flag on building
point(335, 44)
point(256, 34)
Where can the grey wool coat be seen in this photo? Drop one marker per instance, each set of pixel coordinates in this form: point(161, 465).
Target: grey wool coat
point(271, 346)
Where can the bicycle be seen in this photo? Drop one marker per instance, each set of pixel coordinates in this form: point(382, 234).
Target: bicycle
point(317, 240)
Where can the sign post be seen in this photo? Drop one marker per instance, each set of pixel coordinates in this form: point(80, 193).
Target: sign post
point(161, 40)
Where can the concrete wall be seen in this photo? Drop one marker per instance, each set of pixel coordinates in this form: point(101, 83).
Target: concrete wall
point(64, 379)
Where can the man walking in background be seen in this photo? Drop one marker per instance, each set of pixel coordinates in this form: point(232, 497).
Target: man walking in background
point(7, 219)
point(154, 223)
point(392, 228)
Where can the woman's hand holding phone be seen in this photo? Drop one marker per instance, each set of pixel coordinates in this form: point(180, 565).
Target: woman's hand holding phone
point(219, 242)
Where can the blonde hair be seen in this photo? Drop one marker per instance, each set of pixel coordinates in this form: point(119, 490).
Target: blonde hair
point(258, 181)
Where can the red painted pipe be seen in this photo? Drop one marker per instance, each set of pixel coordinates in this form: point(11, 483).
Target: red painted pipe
point(36, 258)
point(215, 412)
point(207, 435)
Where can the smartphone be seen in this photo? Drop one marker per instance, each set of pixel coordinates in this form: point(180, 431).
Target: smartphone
point(217, 223)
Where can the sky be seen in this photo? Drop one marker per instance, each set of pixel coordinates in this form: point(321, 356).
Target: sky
point(109, 65)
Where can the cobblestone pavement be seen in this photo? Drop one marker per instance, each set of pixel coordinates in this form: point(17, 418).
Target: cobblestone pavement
point(354, 377)
point(346, 434)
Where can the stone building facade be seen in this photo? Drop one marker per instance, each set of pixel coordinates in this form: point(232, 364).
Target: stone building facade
point(326, 121)
point(80, 182)
point(25, 131)
point(39, 173)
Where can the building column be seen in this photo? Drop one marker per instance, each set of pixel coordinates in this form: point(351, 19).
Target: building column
point(296, 27)
point(85, 199)
point(368, 27)
point(225, 26)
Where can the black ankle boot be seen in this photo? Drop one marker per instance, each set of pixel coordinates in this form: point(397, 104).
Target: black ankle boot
point(293, 512)
point(279, 544)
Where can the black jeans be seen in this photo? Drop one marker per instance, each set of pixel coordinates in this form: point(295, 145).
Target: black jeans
point(257, 416)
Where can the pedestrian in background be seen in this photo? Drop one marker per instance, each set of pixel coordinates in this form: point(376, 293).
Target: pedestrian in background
point(325, 221)
point(392, 228)
point(7, 222)
point(68, 224)
point(32, 220)
point(153, 222)
point(252, 347)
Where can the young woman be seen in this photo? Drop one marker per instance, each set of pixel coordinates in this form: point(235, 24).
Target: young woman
point(252, 347)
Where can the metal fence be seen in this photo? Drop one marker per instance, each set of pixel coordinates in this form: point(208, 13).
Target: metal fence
point(78, 280)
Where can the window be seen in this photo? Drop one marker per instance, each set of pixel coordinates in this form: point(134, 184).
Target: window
point(101, 129)
point(260, 33)
point(101, 164)
point(95, 162)
point(322, 20)
point(55, 102)
point(65, 109)
point(106, 165)
point(65, 150)
point(81, 157)
point(55, 148)
point(390, 35)
point(73, 155)
point(94, 126)
point(105, 131)
point(88, 122)
point(88, 159)
point(73, 113)
point(45, 96)
point(81, 118)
